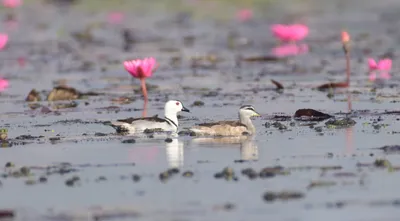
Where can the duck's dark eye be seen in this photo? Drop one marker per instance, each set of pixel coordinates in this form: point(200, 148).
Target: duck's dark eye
point(177, 103)
point(250, 108)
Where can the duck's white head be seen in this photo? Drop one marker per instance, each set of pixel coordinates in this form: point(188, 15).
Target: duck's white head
point(172, 107)
point(247, 111)
point(175, 106)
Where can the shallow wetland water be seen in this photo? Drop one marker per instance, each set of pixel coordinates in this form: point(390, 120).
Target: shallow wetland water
point(62, 163)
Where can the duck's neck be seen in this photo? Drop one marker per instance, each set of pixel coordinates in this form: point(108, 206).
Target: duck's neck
point(172, 116)
point(249, 124)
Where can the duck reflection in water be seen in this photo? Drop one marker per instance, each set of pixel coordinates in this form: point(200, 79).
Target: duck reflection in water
point(248, 146)
point(174, 153)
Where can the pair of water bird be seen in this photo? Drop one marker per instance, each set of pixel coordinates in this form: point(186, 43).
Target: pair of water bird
point(170, 122)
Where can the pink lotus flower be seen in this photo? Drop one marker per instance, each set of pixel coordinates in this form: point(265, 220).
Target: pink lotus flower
point(293, 32)
point(244, 15)
point(115, 17)
point(289, 50)
point(3, 41)
point(383, 67)
point(3, 84)
point(11, 3)
point(345, 37)
point(141, 69)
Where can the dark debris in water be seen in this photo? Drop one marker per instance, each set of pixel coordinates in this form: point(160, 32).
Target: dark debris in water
point(390, 149)
point(129, 141)
point(330, 86)
point(250, 173)
point(136, 178)
point(281, 118)
point(278, 85)
point(345, 203)
point(28, 137)
point(340, 123)
point(198, 104)
point(319, 184)
point(264, 59)
point(166, 175)
point(269, 172)
point(310, 115)
point(270, 196)
point(73, 181)
point(7, 214)
point(380, 164)
point(227, 173)
point(188, 174)
point(225, 207)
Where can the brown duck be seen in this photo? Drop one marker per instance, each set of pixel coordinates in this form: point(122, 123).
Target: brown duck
point(230, 128)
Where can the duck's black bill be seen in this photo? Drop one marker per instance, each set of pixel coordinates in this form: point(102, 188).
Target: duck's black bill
point(185, 109)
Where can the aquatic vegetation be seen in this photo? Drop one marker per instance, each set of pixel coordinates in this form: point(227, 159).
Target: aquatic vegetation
point(12, 3)
point(141, 69)
point(244, 15)
point(115, 17)
point(383, 67)
point(3, 41)
point(3, 84)
point(290, 33)
point(346, 50)
point(345, 38)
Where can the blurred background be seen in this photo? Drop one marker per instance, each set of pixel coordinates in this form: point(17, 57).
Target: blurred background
point(82, 43)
